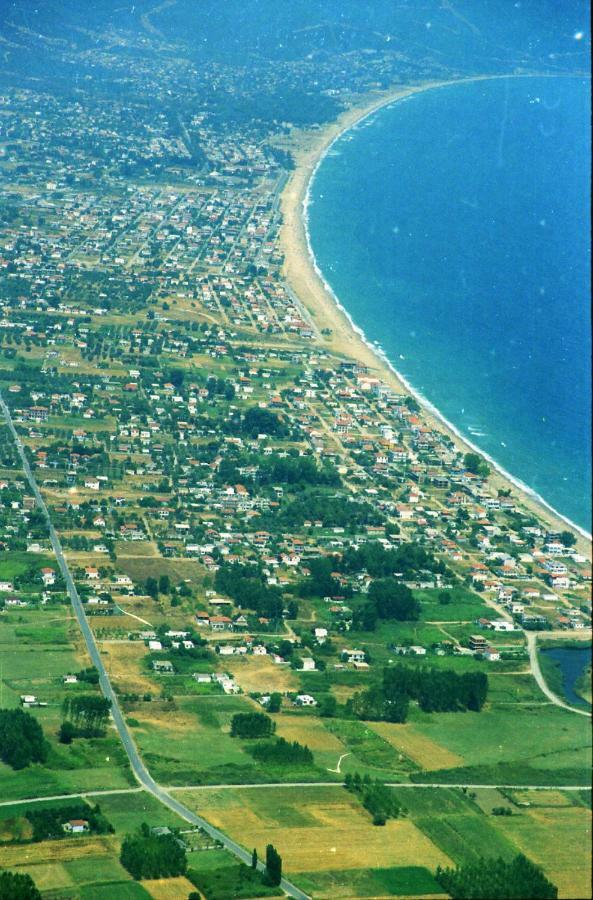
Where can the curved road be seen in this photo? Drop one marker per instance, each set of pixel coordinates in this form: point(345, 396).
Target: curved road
point(537, 673)
point(139, 769)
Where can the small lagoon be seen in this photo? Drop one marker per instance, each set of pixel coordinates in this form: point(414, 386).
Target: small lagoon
point(572, 662)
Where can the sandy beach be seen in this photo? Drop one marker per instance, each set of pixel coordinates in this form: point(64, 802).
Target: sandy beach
point(308, 148)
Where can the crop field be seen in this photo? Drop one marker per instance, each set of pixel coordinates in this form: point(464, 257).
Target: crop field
point(422, 750)
point(193, 745)
point(328, 829)
point(168, 888)
point(308, 730)
point(63, 863)
point(408, 881)
point(467, 838)
point(557, 839)
point(16, 563)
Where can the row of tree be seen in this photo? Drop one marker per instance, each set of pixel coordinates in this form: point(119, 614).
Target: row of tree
point(375, 796)
point(87, 712)
point(495, 879)
point(435, 690)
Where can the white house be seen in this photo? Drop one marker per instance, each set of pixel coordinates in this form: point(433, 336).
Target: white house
point(305, 700)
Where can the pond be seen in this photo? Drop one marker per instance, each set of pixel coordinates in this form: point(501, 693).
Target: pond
point(572, 662)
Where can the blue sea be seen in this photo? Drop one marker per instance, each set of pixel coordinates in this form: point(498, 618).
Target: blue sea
point(453, 227)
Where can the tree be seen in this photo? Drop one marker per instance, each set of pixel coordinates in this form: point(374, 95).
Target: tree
point(67, 733)
point(21, 739)
point(476, 465)
point(275, 702)
point(273, 865)
point(152, 588)
point(252, 725)
point(567, 538)
point(17, 887)
point(88, 712)
point(254, 859)
point(147, 855)
point(394, 600)
point(164, 584)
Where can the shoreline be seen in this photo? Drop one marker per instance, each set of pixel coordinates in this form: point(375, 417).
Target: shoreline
point(347, 339)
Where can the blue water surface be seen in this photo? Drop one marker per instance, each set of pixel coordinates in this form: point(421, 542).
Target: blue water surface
point(454, 228)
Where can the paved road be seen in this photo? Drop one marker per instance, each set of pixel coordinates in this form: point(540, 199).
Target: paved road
point(139, 769)
point(539, 677)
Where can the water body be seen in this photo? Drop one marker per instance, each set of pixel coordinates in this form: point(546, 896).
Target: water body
point(572, 662)
point(454, 227)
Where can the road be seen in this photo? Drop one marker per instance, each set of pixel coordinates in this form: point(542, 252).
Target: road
point(412, 785)
point(139, 769)
point(537, 673)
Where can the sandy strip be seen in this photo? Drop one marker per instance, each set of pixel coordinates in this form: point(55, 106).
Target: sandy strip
point(308, 147)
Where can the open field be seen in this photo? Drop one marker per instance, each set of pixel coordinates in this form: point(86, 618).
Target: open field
point(259, 673)
point(557, 839)
point(328, 830)
point(125, 667)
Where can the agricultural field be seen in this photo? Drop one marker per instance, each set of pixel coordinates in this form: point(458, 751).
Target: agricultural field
point(401, 881)
point(557, 838)
point(327, 830)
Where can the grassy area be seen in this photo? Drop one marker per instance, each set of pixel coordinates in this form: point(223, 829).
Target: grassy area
point(231, 880)
point(369, 751)
point(15, 563)
point(542, 743)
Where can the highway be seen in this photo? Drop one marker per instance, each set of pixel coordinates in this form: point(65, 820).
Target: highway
point(139, 769)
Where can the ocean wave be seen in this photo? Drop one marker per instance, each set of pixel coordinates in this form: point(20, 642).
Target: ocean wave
point(380, 353)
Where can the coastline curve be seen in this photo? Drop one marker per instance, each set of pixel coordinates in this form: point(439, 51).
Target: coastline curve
point(299, 255)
